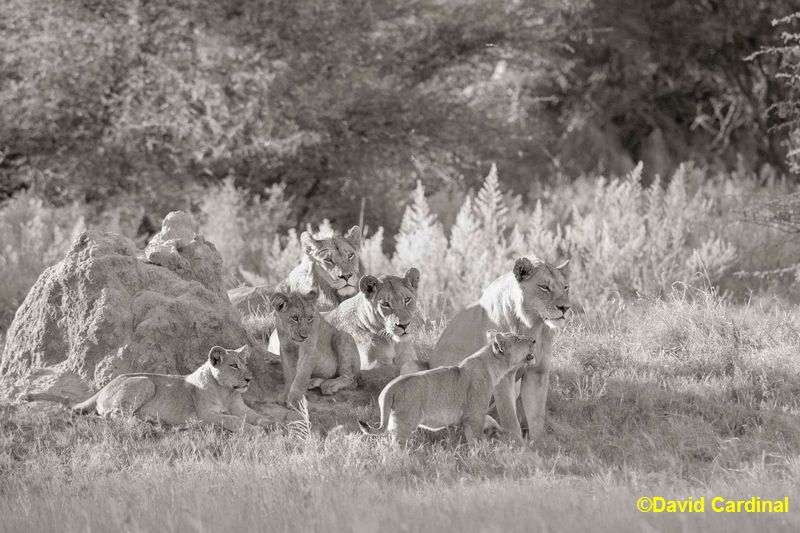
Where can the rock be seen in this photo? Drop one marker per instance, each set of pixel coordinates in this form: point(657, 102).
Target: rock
point(179, 248)
point(106, 309)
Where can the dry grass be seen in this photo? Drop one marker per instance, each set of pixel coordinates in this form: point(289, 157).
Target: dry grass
point(681, 398)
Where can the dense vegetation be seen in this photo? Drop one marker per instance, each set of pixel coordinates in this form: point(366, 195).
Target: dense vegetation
point(110, 103)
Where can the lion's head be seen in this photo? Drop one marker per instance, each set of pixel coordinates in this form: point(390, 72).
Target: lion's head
point(514, 349)
point(393, 301)
point(229, 367)
point(336, 259)
point(543, 290)
point(295, 313)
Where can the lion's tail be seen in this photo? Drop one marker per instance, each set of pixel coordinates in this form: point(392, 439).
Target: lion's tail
point(385, 401)
point(46, 397)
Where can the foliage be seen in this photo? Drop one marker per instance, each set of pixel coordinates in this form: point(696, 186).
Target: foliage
point(243, 227)
point(345, 101)
point(32, 237)
point(625, 240)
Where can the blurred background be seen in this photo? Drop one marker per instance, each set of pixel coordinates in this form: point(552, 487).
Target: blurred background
point(649, 140)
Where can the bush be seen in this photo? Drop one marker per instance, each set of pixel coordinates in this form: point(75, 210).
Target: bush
point(32, 237)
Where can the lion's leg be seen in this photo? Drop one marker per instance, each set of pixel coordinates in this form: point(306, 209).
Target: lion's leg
point(490, 424)
point(289, 365)
point(348, 365)
point(533, 394)
point(402, 434)
point(315, 383)
point(306, 362)
point(332, 386)
point(399, 431)
point(239, 408)
point(229, 422)
point(506, 403)
point(473, 429)
point(125, 395)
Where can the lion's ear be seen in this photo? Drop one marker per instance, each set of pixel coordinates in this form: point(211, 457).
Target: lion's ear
point(309, 243)
point(412, 278)
point(278, 301)
point(216, 355)
point(368, 285)
point(523, 269)
point(564, 268)
point(353, 236)
point(244, 351)
point(497, 345)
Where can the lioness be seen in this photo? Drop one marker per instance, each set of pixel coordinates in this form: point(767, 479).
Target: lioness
point(451, 395)
point(212, 393)
point(313, 353)
point(330, 267)
point(379, 318)
point(530, 300)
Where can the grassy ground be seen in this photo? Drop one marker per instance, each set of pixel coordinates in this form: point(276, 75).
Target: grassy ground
point(675, 399)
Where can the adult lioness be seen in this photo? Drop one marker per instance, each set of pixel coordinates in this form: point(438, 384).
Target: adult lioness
point(451, 395)
point(330, 267)
point(314, 353)
point(212, 393)
point(380, 319)
point(529, 300)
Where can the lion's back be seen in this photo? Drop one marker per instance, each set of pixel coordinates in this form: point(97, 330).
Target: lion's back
point(464, 335)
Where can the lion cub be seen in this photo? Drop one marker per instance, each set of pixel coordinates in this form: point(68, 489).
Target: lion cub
point(451, 395)
point(212, 393)
point(313, 353)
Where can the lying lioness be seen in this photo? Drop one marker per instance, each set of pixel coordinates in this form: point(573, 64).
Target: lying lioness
point(451, 395)
point(212, 393)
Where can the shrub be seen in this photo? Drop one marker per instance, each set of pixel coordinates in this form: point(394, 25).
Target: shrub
point(32, 237)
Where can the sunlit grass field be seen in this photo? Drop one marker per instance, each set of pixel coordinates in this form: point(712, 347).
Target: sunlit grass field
point(679, 398)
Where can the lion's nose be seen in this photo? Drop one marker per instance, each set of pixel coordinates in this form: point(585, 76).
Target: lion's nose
point(346, 277)
point(563, 308)
point(303, 337)
point(403, 326)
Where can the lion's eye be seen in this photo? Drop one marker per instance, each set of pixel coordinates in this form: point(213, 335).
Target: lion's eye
point(329, 261)
point(544, 288)
point(234, 365)
point(351, 256)
point(295, 319)
point(385, 304)
point(566, 288)
point(310, 319)
point(408, 300)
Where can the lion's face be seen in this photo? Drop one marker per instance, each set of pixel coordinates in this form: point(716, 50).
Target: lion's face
point(516, 350)
point(336, 259)
point(296, 313)
point(394, 301)
point(229, 367)
point(544, 291)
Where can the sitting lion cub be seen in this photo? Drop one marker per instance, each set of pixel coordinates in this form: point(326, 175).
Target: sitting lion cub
point(451, 395)
point(212, 393)
point(313, 353)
